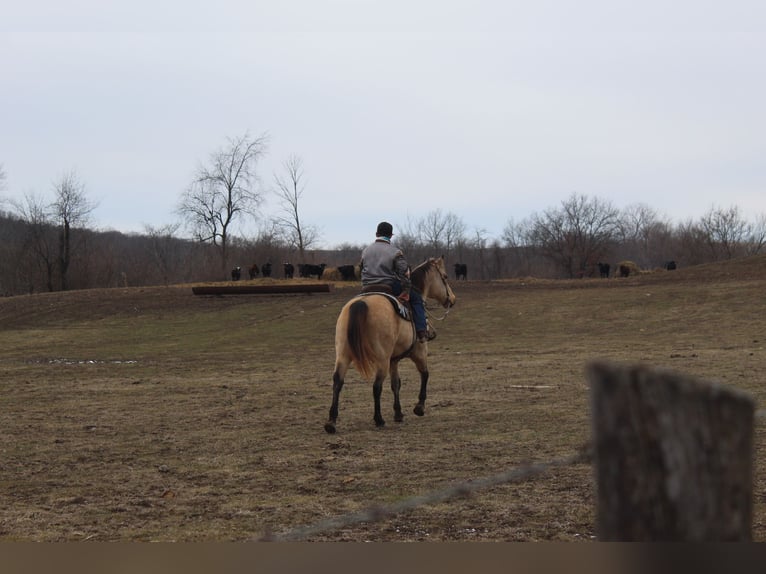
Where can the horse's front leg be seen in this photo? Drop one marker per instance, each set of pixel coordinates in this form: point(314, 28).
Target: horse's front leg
point(377, 390)
point(337, 385)
point(396, 385)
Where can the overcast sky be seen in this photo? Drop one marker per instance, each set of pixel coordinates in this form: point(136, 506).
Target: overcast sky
point(488, 109)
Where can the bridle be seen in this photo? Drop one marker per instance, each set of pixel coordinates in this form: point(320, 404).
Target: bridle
point(446, 290)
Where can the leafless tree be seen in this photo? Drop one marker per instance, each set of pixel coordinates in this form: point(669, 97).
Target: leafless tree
point(163, 249)
point(289, 189)
point(40, 241)
point(757, 240)
point(71, 209)
point(479, 245)
point(725, 231)
point(441, 232)
point(407, 237)
point(223, 191)
point(454, 233)
point(577, 234)
point(643, 235)
point(519, 248)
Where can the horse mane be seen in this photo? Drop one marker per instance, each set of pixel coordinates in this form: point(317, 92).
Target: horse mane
point(418, 275)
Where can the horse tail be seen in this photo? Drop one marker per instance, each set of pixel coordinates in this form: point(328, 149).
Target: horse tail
point(358, 342)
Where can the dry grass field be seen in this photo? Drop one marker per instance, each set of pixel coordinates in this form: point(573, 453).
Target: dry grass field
point(152, 414)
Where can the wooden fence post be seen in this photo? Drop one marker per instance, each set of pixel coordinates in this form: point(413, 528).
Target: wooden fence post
point(673, 456)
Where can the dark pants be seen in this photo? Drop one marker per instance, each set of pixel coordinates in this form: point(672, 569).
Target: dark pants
point(416, 301)
point(418, 310)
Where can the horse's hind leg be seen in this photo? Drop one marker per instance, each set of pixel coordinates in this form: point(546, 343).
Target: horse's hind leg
point(396, 385)
point(337, 385)
point(377, 390)
point(422, 366)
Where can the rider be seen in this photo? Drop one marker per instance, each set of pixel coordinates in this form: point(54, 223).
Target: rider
point(384, 269)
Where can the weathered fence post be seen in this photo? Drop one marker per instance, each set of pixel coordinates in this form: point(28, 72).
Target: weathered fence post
point(673, 456)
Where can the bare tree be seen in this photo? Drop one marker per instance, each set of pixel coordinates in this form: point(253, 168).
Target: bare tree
point(289, 190)
point(519, 248)
point(70, 210)
point(223, 191)
point(725, 231)
point(163, 249)
point(408, 238)
point(441, 232)
point(40, 237)
point(432, 228)
point(454, 232)
point(757, 239)
point(577, 234)
point(479, 244)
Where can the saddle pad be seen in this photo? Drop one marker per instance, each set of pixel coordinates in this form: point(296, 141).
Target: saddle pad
point(402, 310)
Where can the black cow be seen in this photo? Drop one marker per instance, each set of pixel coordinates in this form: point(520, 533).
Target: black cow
point(308, 270)
point(670, 265)
point(236, 273)
point(347, 272)
point(461, 271)
point(603, 270)
point(289, 269)
point(624, 271)
point(253, 271)
point(266, 269)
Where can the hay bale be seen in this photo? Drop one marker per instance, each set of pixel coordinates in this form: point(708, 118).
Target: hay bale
point(627, 268)
point(331, 274)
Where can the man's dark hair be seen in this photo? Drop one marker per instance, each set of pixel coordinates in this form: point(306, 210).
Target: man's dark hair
point(385, 229)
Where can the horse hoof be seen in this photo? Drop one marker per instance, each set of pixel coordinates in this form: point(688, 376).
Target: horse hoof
point(399, 417)
point(380, 423)
point(419, 410)
point(330, 428)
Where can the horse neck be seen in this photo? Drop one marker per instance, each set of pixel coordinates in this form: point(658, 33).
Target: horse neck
point(422, 278)
point(418, 276)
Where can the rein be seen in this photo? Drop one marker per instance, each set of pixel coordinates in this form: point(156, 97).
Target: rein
point(431, 316)
point(446, 290)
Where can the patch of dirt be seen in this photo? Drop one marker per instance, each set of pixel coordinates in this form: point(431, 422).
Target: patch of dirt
point(213, 429)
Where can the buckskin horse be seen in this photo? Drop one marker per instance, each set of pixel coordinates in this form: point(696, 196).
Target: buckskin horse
point(371, 334)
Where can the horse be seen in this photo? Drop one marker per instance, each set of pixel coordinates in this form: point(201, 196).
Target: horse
point(371, 335)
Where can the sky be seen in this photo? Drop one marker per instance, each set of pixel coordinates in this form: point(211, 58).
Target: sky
point(491, 110)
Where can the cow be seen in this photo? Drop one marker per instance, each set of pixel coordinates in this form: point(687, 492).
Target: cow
point(461, 271)
point(309, 270)
point(236, 273)
point(624, 270)
point(347, 272)
point(266, 269)
point(289, 269)
point(603, 270)
point(670, 265)
point(253, 271)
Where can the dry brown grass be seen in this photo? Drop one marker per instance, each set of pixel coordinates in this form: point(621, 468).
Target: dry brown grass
point(152, 414)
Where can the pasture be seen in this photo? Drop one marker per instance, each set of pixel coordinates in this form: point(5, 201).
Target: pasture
point(152, 414)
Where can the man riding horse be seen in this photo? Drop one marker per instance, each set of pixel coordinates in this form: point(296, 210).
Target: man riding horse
point(384, 269)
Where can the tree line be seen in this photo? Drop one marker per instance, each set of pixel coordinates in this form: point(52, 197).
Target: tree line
point(48, 243)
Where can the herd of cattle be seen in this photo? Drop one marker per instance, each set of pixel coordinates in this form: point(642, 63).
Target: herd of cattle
point(349, 272)
point(346, 272)
point(624, 270)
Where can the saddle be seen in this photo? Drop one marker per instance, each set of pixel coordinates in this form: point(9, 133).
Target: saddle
point(401, 309)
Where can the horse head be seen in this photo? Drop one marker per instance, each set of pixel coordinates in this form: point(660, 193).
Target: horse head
point(435, 283)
